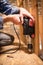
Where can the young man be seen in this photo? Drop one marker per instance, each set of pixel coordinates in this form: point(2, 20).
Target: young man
point(13, 13)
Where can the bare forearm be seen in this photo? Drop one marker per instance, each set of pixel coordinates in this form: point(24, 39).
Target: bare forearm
point(7, 18)
point(13, 18)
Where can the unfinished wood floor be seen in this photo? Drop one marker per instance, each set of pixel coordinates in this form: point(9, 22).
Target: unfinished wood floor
point(21, 57)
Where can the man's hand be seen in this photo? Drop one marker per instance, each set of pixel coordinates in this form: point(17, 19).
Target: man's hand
point(24, 12)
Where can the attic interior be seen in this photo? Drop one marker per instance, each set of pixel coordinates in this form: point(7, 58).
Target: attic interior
point(22, 49)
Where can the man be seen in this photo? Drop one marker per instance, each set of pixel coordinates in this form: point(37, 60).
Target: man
point(13, 13)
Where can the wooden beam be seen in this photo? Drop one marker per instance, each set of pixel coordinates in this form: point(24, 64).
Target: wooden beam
point(35, 11)
point(42, 23)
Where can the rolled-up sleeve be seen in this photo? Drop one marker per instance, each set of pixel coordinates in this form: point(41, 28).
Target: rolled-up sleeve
point(7, 8)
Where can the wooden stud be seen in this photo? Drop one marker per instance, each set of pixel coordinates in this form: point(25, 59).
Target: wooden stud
point(36, 27)
point(42, 23)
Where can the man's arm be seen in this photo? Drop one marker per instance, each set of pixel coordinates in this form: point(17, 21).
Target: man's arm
point(6, 8)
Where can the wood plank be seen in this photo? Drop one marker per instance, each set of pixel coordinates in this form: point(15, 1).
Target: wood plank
point(35, 11)
point(20, 58)
point(42, 24)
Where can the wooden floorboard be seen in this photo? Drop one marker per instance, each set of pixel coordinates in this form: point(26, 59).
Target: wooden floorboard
point(21, 57)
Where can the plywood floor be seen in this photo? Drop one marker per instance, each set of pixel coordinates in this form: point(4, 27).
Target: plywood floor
point(21, 57)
